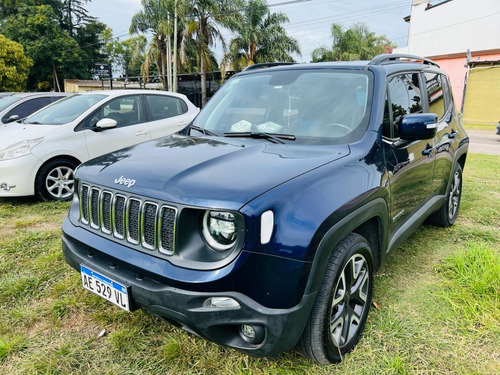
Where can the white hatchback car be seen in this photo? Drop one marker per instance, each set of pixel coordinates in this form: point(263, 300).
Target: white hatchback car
point(38, 156)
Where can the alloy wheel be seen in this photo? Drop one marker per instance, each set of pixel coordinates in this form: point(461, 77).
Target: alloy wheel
point(350, 300)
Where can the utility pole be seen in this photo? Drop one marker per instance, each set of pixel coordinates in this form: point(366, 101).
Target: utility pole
point(169, 56)
point(174, 74)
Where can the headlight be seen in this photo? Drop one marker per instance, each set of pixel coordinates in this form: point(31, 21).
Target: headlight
point(19, 149)
point(220, 229)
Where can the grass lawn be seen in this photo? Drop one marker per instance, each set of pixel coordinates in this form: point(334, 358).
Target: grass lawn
point(438, 300)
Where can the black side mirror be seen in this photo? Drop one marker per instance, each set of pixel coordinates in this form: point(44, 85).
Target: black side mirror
point(418, 126)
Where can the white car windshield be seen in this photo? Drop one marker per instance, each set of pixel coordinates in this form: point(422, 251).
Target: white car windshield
point(65, 110)
point(8, 100)
point(310, 105)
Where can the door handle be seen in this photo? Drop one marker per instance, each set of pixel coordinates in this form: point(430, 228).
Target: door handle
point(141, 132)
point(453, 134)
point(428, 149)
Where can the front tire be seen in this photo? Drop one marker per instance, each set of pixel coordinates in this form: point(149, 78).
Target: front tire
point(55, 180)
point(341, 307)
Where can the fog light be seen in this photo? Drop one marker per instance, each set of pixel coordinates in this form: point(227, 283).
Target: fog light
point(6, 187)
point(251, 333)
point(221, 303)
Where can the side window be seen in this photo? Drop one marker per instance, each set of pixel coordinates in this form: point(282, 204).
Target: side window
point(448, 96)
point(435, 93)
point(386, 125)
point(93, 119)
point(162, 106)
point(405, 96)
point(126, 111)
point(27, 108)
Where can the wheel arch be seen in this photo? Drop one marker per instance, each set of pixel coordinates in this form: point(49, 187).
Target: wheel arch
point(369, 221)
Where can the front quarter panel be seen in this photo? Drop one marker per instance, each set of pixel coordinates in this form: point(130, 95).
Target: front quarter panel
point(301, 206)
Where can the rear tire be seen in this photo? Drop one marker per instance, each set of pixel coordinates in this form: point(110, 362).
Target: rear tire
point(448, 212)
point(341, 307)
point(55, 180)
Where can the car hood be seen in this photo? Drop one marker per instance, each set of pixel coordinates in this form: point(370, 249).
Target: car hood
point(17, 132)
point(206, 171)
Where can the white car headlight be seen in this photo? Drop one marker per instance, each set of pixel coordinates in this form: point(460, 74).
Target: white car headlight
point(19, 149)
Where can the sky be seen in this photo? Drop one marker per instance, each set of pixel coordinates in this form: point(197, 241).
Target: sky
point(310, 20)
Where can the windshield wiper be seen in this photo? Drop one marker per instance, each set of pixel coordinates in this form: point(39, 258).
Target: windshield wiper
point(201, 130)
point(273, 137)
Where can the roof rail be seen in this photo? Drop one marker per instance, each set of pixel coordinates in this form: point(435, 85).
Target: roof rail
point(266, 65)
point(390, 57)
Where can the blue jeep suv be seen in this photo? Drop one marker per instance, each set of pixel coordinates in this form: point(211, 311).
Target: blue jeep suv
point(260, 225)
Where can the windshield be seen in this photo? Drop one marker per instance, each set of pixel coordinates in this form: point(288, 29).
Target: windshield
point(8, 100)
point(65, 110)
point(315, 105)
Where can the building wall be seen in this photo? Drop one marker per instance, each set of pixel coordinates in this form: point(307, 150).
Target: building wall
point(444, 31)
point(452, 27)
point(456, 68)
point(483, 95)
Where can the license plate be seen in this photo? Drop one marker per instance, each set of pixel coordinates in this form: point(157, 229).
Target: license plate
point(105, 287)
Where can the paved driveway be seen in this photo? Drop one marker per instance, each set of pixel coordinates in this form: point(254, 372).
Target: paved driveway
point(484, 141)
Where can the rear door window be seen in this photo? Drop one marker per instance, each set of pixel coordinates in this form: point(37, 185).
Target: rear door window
point(163, 106)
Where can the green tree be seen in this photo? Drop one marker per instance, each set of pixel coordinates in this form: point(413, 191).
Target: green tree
point(355, 43)
point(14, 65)
point(261, 37)
point(53, 51)
point(74, 15)
point(128, 56)
point(154, 18)
point(11, 7)
point(203, 26)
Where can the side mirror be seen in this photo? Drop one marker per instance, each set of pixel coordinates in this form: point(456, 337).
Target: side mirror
point(106, 123)
point(418, 126)
point(13, 118)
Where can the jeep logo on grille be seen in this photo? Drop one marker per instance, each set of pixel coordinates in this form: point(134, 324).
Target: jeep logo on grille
point(128, 182)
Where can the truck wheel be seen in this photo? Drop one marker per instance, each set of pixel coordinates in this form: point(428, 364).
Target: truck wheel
point(448, 212)
point(341, 307)
point(55, 180)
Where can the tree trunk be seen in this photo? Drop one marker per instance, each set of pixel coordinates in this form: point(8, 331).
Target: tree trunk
point(203, 83)
point(169, 65)
point(163, 64)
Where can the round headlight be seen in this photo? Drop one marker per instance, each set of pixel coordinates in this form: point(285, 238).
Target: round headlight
point(220, 230)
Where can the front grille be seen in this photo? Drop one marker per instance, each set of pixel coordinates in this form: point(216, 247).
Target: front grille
point(137, 221)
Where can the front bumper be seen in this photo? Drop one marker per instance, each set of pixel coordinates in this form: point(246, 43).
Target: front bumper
point(186, 307)
point(18, 176)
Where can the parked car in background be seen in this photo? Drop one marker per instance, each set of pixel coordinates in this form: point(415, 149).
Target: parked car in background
point(498, 128)
point(38, 155)
point(289, 190)
point(17, 106)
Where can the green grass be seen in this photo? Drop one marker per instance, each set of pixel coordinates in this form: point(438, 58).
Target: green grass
point(438, 299)
point(491, 127)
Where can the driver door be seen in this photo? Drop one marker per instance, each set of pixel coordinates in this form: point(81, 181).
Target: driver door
point(410, 165)
point(131, 126)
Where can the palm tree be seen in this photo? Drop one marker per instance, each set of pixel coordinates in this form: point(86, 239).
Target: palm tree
point(203, 27)
point(153, 18)
point(356, 43)
point(261, 37)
